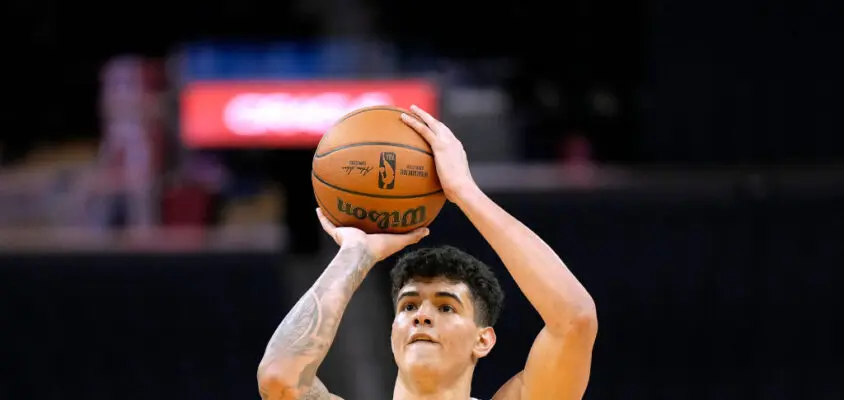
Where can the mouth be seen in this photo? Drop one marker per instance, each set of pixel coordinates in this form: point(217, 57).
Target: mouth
point(421, 338)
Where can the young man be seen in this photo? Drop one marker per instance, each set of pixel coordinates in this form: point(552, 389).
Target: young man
point(446, 303)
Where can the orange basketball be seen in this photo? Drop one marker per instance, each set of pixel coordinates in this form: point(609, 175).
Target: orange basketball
point(373, 172)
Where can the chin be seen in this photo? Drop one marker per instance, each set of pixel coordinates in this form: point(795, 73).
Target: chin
point(423, 373)
point(423, 366)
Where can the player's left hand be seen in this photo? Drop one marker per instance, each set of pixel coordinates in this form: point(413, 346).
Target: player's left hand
point(449, 155)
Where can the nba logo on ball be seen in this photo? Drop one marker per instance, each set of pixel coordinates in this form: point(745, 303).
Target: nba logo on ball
point(387, 170)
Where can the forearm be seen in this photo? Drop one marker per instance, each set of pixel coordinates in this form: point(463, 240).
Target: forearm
point(302, 340)
point(551, 288)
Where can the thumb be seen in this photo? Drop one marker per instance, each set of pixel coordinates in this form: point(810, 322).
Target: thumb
point(416, 235)
point(391, 243)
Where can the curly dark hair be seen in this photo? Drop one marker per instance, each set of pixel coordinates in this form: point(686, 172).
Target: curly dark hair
point(454, 265)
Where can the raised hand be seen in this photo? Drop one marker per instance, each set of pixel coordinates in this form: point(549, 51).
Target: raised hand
point(449, 155)
point(379, 245)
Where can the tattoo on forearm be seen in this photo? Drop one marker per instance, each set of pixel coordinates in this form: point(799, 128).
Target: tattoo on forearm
point(317, 392)
point(306, 333)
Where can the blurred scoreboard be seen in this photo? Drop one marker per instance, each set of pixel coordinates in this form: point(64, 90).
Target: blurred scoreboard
point(286, 95)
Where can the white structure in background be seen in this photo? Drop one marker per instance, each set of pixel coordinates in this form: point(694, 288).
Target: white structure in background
point(130, 150)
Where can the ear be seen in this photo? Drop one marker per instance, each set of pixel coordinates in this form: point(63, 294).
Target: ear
point(484, 343)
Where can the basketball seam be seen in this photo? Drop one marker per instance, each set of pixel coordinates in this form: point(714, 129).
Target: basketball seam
point(404, 146)
point(379, 196)
point(352, 114)
point(363, 110)
point(336, 221)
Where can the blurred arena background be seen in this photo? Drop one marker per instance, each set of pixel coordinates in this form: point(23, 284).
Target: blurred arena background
point(684, 158)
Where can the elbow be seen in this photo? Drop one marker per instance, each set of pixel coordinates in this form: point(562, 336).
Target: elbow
point(275, 378)
point(581, 319)
point(585, 317)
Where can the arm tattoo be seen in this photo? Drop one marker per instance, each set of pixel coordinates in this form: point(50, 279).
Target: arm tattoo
point(317, 392)
point(303, 338)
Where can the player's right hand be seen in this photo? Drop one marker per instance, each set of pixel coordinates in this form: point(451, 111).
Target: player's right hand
point(379, 245)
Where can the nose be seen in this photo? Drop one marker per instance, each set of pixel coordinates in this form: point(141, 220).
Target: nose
point(422, 318)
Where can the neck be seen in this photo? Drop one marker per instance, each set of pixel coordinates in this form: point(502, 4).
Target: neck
point(433, 388)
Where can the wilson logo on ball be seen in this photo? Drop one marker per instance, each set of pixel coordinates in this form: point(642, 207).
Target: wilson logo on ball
point(385, 219)
point(387, 170)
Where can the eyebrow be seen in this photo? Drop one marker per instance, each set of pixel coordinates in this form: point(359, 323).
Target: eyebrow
point(413, 293)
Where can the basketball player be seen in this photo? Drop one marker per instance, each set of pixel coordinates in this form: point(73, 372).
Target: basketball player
point(446, 303)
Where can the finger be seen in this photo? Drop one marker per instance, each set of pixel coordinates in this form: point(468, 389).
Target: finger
point(419, 127)
point(436, 126)
point(431, 121)
point(326, 224)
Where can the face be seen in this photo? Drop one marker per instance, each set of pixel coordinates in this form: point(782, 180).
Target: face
point(434, 331)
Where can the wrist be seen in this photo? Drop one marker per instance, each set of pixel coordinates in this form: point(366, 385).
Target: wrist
point(466, 194)
point(358, 250)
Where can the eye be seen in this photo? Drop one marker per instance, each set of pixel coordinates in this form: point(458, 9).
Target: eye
point(408, 307)
point(446, 308)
